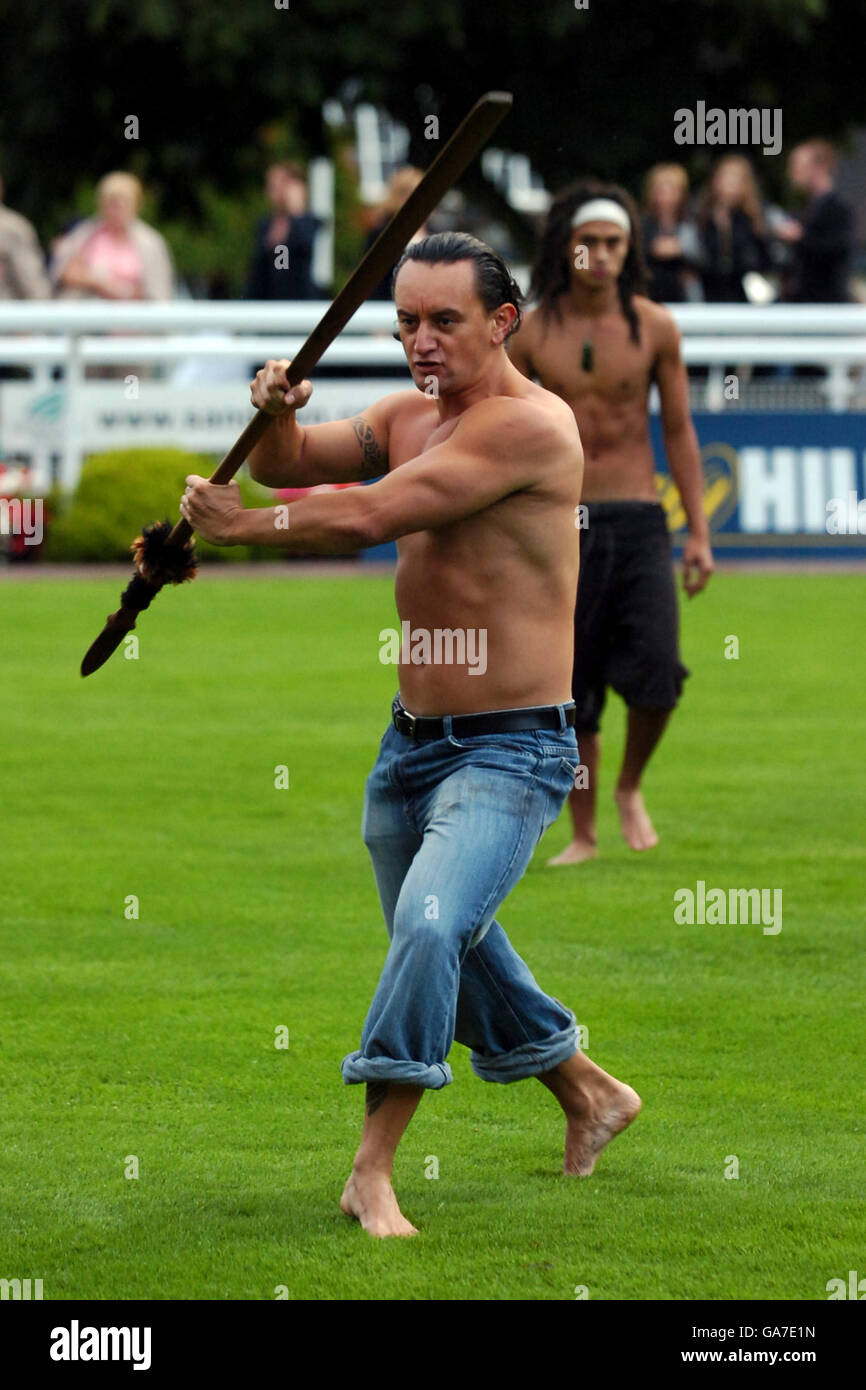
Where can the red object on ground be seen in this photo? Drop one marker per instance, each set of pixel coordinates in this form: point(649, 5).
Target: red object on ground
point(294, 494)
point(15, 487)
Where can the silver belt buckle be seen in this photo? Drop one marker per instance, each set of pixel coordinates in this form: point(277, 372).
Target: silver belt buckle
point(404, 720)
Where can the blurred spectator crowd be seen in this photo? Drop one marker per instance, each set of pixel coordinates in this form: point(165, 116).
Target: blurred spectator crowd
point(720, 247)
point(722, 244)
point(114, 254)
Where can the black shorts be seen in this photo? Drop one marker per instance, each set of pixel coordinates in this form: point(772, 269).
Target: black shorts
point(626, 620)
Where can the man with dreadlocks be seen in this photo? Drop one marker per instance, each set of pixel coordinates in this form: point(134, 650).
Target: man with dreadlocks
point(596, 342)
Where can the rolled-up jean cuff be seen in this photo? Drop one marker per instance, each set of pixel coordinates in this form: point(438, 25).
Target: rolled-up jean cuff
point(529, 1059)
point(356, 1067)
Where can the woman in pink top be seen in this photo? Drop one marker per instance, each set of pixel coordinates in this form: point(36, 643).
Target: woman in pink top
point(114, 255)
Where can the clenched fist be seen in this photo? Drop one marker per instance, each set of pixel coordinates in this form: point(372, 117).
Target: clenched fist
point(214, 510)
point(271, 391)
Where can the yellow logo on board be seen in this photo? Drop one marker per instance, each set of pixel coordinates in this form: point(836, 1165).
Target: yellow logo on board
point(719, 463)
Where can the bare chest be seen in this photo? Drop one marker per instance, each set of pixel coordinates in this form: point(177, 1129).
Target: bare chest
point(590, 361)
point(415, 435)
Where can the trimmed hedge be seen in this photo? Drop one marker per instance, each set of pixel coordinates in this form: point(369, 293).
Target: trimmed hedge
point(120, 492)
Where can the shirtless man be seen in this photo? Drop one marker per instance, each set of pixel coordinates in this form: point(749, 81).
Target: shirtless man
point(598, 344)
point(482, 476)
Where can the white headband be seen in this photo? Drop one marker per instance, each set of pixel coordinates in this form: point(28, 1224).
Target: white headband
point(602, 210)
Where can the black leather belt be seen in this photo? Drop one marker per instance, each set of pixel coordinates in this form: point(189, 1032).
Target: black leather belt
point(496, 722)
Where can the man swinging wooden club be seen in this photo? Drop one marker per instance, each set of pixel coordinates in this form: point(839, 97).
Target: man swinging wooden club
point(164, 554)
point(482, 476)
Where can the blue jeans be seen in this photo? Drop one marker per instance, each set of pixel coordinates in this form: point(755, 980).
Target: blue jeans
point(451, 825)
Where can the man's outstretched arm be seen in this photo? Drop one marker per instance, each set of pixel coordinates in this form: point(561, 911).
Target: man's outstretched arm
point(502, 449)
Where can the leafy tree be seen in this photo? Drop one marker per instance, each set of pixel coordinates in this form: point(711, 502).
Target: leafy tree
point(595, 88)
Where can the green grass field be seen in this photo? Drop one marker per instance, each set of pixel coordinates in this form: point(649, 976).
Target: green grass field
point(154, 1038)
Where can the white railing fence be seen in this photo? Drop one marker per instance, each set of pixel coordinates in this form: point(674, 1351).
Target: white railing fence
point(181, 369)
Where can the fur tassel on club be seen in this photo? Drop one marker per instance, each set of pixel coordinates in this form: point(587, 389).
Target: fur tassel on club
point(159, 563)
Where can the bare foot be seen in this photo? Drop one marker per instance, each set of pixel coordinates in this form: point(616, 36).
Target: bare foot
point(591, 1124)
point(580, 849)
point(369, 1197)
point(637, 828)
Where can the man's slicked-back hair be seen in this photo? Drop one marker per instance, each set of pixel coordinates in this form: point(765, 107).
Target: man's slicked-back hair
point(494, 282)
point(551, 275)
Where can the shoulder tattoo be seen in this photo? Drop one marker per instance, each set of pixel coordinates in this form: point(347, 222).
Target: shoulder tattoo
point(374, 459)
